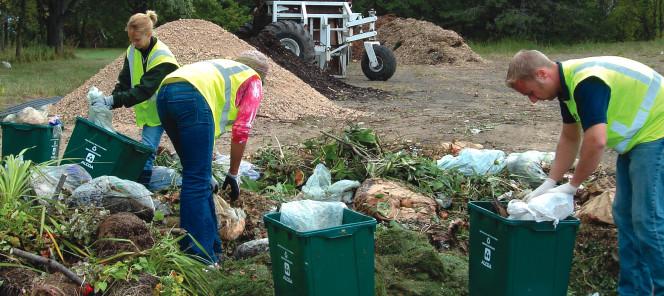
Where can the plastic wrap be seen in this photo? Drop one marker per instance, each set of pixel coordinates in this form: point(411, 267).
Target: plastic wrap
point(308, 215)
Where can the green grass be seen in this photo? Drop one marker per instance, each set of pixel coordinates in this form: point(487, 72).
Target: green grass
point(24, 82)
point(509, 47)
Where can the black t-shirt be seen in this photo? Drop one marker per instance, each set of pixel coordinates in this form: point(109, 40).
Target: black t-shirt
point(592, 101)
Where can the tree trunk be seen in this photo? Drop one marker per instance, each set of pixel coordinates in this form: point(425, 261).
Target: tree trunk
point(661, 26)
point(58, 10)
point(19, 30)
point(2, 35)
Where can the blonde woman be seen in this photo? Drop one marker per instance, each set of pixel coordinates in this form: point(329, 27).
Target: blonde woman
point(147, 62)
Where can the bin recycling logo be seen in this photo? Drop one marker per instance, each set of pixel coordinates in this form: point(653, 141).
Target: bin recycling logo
point(93, 152)
point(287, 264)
point(488, 249)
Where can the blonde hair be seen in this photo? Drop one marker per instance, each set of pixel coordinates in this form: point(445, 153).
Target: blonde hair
point(524, 64)
point(142, 22)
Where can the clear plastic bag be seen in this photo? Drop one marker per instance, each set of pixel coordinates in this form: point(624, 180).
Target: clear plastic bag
point(45, 182)
point(55, 122)
point(472, 161)
point(527, 166)
point(100, 115)
point(309, 215)
point(93, 192)
point(246, 168)
point(319, 187)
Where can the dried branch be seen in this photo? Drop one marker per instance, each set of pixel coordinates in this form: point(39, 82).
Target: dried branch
point(348, 144)
point(50, 263)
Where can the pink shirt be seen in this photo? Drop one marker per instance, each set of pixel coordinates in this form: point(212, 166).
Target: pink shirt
point(248, 98)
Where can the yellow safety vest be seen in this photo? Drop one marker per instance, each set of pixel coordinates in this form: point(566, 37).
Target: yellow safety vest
point(218, 82)
point(146, 112)
point(636, 107)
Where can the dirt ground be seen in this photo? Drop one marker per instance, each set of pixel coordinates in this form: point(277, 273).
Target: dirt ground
point(441, 103)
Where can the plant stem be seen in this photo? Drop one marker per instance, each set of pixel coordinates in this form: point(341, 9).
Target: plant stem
point(50, 263)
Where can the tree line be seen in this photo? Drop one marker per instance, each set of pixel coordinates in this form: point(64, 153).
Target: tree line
point(94, 23)
point(546, 21)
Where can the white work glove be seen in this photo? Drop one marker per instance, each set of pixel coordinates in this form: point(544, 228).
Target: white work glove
point(565, 188)
point(104, 101)
point(548, 184)
point(214, 184)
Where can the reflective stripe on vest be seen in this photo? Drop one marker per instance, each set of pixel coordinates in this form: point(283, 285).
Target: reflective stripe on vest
point(218, 82)
point(627, 130)
point(226, 74)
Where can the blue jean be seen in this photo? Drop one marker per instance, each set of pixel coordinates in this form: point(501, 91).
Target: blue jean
point(150, 136)
point(638, 211)
point(187, 119)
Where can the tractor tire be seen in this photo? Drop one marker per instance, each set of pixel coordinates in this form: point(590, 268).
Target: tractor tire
point(294, 37)
point(387, 64)
point(245, 31)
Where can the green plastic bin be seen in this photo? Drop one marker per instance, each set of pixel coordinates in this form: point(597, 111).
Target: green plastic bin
point(103, 153)
point(39, 138)
point(331, 261)
point(518, 258)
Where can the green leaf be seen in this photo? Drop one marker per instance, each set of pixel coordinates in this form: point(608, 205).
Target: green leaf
point(366, 137)
point(100, 286)
point(383, 208)
point(158, 216)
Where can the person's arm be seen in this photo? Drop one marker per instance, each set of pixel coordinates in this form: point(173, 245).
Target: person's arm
point(566, 150)
point(148, 85)
point(592, 100)
point(592, 149)
point(237, 150)
point(124, 78)
point(247, 101)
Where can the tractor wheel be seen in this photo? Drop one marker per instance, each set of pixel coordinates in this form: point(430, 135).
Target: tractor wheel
point(387, 64)
point(245, 31)
point(294, 37)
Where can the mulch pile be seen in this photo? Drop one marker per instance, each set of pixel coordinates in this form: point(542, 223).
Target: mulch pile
point(417, 42)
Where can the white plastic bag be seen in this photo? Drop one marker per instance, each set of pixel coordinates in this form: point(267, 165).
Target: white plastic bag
point(29, 115)
point(546, 207)
point(528, 166)
point(93, 192)
point(246, 168)
point(48, 179)
point(230, 221)
point(318, 187)
point(163, 177)
point(308, 215)
point(472, 161)
point(100, 115)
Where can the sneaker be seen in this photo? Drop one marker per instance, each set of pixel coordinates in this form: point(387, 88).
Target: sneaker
point(211, 267)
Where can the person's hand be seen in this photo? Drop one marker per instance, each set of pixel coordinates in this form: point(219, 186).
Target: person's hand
point(214, 185)
point(231, 180)
point(548, 184)
point(104, 101)
point(566, 188)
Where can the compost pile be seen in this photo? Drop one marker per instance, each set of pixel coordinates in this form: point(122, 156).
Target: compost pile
point(417, 42)
point(326, 84)
point(286, 97)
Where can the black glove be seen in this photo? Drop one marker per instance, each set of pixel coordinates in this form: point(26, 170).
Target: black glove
point(235, 188)
point(214, 185)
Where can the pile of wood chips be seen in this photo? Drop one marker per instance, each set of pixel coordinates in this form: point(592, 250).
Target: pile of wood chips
point(420, 43)
point(285, 96)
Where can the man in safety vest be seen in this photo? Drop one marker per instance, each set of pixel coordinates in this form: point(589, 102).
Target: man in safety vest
point(147, 62)
point(617, 103)
point(196, 104)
